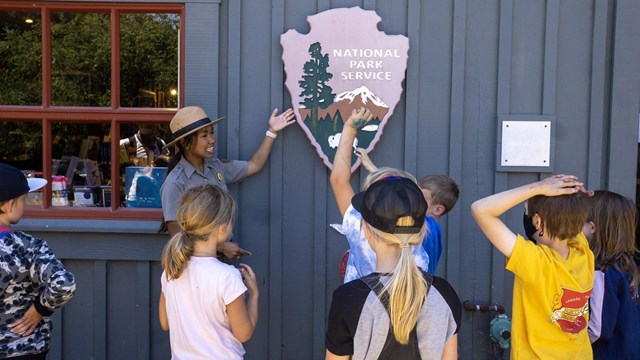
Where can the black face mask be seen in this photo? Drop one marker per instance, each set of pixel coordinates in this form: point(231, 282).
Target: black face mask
point(529, 228)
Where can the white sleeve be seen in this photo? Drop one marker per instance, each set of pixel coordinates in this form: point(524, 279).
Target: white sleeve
point(595, 307)
point(234, 286)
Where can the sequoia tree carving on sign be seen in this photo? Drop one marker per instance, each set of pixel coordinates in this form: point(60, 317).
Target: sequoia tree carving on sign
point(342, 64)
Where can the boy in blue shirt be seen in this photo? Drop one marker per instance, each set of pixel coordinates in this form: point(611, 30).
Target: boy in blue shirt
point(441, 193)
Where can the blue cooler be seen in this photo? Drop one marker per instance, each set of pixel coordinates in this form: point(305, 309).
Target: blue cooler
point(142, 186)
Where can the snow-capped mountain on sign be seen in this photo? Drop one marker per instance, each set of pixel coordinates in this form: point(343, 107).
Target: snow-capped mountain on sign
point(347, 101)
point(365, 95)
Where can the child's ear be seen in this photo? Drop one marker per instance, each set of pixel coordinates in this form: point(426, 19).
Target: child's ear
point(537, 222)
point(222, 230)
point(6, 206)
point(367, 235)
point(438, 210)
point(589, 228)
point(225, 231)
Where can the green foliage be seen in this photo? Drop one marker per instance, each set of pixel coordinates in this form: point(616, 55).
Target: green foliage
point(81, 71)
point(149, 59)
point(20, 138)
point(81, 59)
point(315, 91)
point(20, 61)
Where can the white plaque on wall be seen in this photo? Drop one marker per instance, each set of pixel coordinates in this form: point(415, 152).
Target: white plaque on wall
point(526, 143)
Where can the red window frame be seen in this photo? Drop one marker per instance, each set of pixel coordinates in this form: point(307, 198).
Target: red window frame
point(47, 114)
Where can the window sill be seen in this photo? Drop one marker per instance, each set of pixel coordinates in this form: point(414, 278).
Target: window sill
point(90, 226)
point(93, 213)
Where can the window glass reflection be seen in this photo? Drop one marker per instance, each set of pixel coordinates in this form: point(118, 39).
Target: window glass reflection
point(20, 55)
point(143, 163)
point(80, 59)
point(21, 147)
point(80, 164)
point(149, 60)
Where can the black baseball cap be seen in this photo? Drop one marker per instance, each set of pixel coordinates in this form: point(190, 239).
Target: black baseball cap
point(13, 183)
point(390, 199)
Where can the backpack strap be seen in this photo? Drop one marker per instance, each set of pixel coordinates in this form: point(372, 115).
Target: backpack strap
point(374, 283)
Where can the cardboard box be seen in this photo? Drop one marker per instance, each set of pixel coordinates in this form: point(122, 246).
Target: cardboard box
point(85, 195)
point(142, 186)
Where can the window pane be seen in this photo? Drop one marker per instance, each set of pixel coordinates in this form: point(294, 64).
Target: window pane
point(81, 163)
point(81, 59)
point(20, 54)
point(143, 163)
point(149, 60)
point(21, 147)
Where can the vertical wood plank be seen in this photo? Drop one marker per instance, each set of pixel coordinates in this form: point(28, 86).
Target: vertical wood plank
point(412, 88)
point(100, 310)
point(55, 350)
point(550, 58)
point(143, 291)
point(276, 199)
point(320, 225)
point(597, 113)
point(324, 5)
point(625, 92)
point(369, 4)
point(202, 55)
point(455, 133)
point(503, 107)
point(504, 56)
point(234, 59)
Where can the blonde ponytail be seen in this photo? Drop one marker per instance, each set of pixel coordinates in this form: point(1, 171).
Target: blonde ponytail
point(407, 287)
point(176, 254)
point(203, 209)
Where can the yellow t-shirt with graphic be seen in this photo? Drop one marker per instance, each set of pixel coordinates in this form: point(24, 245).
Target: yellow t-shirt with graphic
point(551, 300)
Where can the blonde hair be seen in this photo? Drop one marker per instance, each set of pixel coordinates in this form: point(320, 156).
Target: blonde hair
point(384, 172)
point(203, 209)
point(407, 287)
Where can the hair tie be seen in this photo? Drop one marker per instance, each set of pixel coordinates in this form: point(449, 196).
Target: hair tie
point(184, 233)
point(405, 245)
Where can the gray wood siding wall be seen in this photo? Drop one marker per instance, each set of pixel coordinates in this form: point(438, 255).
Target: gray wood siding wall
point(471, 62)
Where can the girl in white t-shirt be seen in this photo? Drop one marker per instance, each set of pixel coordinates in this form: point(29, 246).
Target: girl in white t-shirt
point(202, 301)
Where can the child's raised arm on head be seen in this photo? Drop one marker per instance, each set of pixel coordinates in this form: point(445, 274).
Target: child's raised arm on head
point(243, 317)
point(487, 211)
point(341, 172)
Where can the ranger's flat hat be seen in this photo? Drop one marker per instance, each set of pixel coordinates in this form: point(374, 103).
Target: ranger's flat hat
point(187, 121)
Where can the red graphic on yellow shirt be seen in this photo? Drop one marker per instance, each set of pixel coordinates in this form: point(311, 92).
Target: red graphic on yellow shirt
point(570, 313)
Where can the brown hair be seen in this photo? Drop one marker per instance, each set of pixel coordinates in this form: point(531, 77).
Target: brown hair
point(203, 209)
point(444, 190)
point(562, 216)
point(613, 243)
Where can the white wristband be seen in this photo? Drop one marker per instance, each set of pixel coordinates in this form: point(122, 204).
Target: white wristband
point(271, 135)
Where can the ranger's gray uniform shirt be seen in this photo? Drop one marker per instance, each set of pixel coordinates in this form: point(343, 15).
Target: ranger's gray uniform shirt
point(184, 175)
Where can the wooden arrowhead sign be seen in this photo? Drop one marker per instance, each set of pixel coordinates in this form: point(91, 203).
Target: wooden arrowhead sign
point(344, 63)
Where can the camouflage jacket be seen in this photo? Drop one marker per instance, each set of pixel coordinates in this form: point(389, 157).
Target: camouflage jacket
point(30, 274)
